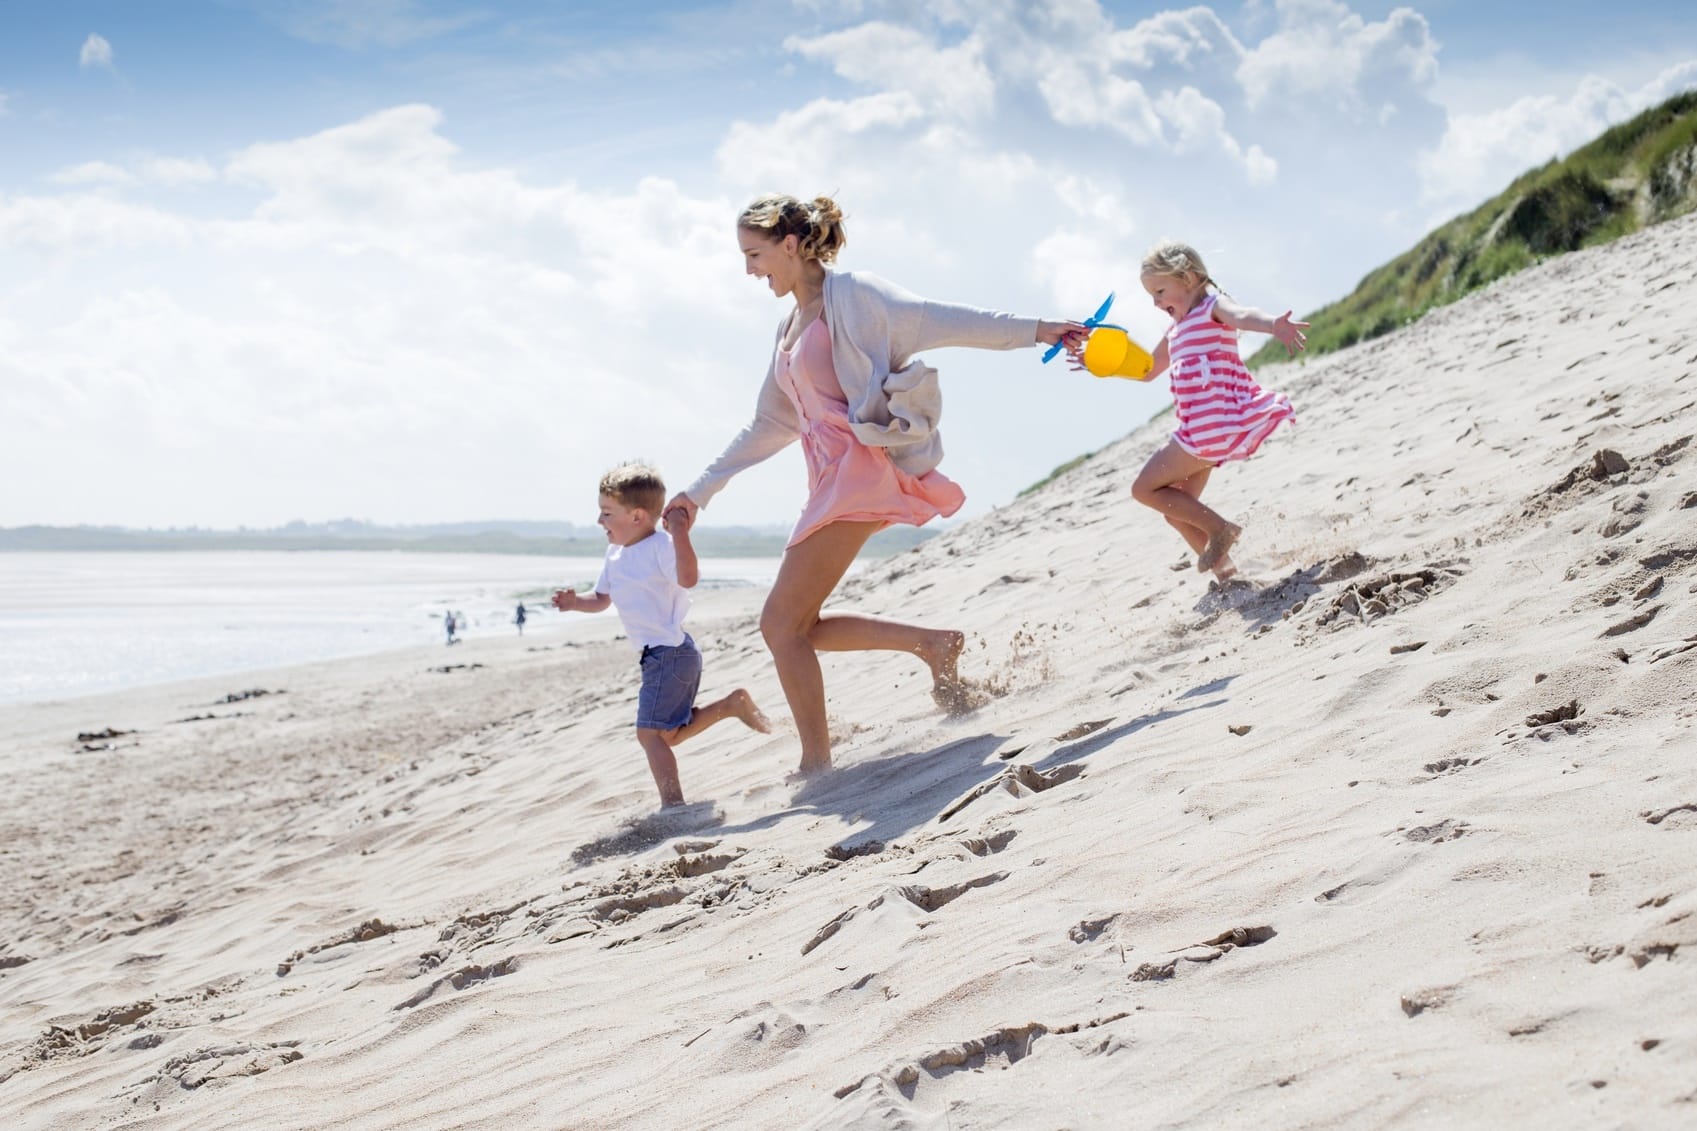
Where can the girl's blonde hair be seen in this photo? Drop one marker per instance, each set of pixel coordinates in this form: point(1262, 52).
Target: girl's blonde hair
point(817, 223)
point(1169, 257)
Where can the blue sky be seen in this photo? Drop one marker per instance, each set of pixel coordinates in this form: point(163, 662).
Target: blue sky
point(274, 259)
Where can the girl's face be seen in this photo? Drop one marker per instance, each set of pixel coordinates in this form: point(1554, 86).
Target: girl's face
point(779, 262)
point(1175, 294)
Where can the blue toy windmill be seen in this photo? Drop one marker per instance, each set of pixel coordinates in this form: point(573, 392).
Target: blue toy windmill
point(1090, 323)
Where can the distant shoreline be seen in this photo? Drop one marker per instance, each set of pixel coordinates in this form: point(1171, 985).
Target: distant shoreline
point(730, 542)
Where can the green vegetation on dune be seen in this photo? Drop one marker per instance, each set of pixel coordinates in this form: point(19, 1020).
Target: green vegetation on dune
point(1638, 173)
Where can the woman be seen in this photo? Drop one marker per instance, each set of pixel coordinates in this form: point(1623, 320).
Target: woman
point(843, 379)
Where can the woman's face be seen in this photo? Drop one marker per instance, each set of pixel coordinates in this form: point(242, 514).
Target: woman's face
point(776, 261)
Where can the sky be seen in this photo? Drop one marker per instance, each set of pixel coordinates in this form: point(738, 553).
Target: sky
point(430, 260)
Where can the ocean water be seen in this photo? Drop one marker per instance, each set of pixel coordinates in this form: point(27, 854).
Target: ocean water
point(75, 624)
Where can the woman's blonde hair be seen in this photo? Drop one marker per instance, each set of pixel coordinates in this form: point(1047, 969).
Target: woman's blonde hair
point(1169, 257)
point(816, 223)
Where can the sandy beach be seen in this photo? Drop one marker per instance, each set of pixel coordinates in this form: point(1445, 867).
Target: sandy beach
point(1397, 829)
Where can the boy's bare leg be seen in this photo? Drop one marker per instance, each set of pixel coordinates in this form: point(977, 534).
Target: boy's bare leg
point(663, 765)
point(739, 704)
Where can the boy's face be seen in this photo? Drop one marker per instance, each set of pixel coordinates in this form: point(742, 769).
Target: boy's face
point(625, 526)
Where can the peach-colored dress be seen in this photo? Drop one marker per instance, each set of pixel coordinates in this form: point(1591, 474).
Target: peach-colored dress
point(849, 481)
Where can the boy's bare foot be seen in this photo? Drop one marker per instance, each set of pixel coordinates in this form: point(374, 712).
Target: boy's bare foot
point(744, 708)
point(1219, 545)
point(1225, 569)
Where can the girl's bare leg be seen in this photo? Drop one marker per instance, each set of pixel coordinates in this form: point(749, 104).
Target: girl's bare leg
point(795, 632)
point(1158, 487)
point(1225, 569)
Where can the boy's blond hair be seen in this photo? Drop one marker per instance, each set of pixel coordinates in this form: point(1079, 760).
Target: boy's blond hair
point(635, 485)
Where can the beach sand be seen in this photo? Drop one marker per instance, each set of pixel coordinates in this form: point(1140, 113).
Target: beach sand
point(1399, 829)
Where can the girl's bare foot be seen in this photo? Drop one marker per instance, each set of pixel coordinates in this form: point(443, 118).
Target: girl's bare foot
point(1225, 569)
point(744, 708)
point(1219, 545)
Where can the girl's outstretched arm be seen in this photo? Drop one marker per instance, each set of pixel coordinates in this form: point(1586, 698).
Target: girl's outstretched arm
point(1240, 317)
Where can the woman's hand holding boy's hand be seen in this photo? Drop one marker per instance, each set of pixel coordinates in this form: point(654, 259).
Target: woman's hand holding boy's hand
point(678, 520)
point(565, 600)
point(680, 502)
point(1290, 333)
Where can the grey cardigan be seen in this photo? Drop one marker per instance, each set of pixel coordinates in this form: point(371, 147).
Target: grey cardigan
point(894, 400)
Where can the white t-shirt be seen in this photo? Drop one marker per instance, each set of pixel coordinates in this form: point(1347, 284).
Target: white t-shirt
point(642, 580)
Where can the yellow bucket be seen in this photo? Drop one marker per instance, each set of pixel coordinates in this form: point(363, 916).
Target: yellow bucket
point(1110, 352)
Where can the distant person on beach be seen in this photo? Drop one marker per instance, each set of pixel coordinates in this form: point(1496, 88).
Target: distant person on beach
point(843, 380)
point(1223, 415)
point(449, 623)
point(518, 617)
point(646, 575)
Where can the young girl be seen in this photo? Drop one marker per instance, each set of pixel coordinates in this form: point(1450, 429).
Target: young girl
point(1222, 413)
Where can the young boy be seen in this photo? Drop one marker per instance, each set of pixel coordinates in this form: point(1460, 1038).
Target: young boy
point(646, 575)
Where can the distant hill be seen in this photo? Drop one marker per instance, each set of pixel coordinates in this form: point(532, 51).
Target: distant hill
point(1640, 172)
point(559, 539)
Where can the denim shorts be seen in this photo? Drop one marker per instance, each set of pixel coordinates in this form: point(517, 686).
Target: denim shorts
point(671, 675)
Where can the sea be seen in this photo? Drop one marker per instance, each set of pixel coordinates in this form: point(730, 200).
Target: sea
point(74, 624)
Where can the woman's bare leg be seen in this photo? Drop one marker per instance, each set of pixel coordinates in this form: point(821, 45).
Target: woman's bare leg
point(795, 631)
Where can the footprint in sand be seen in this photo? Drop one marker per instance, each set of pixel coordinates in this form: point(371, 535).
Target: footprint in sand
point(372, 928)
point(227, 1062)
point(463, 978)
point(1364, 602)
point(1018, 781)
point(79, 1038)
point(1208, 950)
point(926, 899)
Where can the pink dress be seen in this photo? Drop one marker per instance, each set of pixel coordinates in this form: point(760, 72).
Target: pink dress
point(848, 481)
point(1222, 413)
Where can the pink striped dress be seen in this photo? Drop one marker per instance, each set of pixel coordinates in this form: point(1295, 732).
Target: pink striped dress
point(1223, 414)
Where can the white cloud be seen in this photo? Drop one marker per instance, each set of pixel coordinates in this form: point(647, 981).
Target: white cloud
point(1324, 50)
point(947, 80)
point(93, 173)
point(797, 144)
point(176, 171)
point(1481, 152)
point(96, 52)
point(1199, 123)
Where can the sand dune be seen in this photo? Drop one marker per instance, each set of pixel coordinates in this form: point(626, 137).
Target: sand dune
point(1398, 829)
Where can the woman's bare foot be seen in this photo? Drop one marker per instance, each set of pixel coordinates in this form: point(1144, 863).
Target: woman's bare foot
point(808, 770)
point(941, 653)
point(744, 708)
point(1225, 569)
point(1219, 545)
